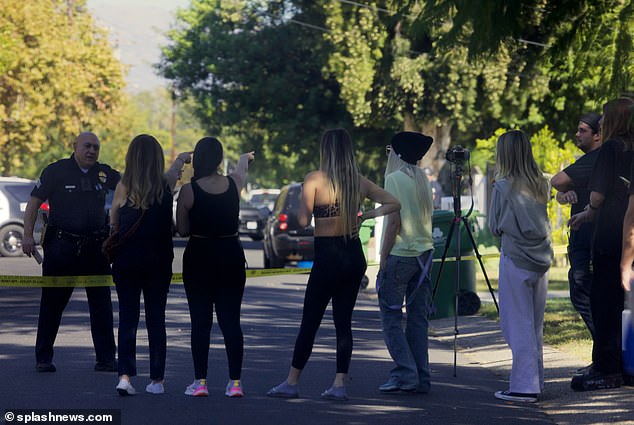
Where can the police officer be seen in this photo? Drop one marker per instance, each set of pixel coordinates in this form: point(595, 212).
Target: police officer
point(76, 189)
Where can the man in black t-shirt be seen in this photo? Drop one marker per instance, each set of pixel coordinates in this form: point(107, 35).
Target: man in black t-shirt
point(76, 190)
point(572, 188)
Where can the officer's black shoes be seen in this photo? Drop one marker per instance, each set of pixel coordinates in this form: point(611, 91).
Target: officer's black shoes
point(593, 379)
point(45, 367)
point(111, 366)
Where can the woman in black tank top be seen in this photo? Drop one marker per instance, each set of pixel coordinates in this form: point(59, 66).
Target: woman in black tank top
point(213, 262)
point(144, 261)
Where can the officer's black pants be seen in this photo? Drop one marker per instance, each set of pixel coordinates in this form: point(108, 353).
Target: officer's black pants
point(61, 259)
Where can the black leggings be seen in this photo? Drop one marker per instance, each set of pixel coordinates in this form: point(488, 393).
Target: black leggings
point(337, 272)
point(214, 275)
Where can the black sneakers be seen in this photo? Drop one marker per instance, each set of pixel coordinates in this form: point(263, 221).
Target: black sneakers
point(45, 367)
point(517, 397)
point(111, 366)
point(594, 379)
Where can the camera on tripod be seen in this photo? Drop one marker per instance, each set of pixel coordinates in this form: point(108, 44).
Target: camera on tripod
point(457, 155)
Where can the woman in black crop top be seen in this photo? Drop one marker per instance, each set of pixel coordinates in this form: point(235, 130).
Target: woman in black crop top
point(144, 261)
point(213, 263)
point(333, 194)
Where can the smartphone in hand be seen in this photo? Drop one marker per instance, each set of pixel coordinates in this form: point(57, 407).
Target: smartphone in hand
point(38, 257)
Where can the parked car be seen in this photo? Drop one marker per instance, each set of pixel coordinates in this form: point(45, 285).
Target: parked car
point(284, 239)
point(252, 220)
point(15, 193)
point(263, 198)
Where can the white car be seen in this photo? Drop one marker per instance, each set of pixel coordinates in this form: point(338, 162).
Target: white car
point(15, 193)
point(263, 198)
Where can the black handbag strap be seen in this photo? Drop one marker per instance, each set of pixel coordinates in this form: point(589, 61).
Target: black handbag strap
point(133, 229)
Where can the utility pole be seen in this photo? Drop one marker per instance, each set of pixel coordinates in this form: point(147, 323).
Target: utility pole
point(174, 93)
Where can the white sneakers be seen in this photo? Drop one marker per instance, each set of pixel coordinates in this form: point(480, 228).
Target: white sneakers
point(155, 388)
point(124, 388)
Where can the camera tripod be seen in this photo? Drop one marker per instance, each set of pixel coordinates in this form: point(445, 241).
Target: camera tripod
point(455, 227)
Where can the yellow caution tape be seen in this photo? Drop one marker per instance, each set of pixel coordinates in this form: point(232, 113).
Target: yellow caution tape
point(104, 280)
point(93, 281)
point(55, 281)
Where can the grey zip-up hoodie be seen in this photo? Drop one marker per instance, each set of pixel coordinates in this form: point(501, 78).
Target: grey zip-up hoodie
point(522, 223)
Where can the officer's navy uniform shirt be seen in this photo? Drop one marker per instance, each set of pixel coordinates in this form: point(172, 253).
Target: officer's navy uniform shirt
point(76, 199)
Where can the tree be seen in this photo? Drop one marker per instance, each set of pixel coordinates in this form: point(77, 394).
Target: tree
point(279, 73)
point(58, 77)
point(393, 75)
point(257, 78)
point(151, 112)
point(458, 69)
point(585, 48)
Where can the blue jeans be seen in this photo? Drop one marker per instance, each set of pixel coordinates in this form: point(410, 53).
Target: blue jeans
point(408, 347)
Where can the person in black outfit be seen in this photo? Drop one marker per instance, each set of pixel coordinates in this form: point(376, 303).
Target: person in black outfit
point(572, 188)
point(213, 263)
point(142, 214)
point(609, 185)
point(76, 190)
point(627, 273)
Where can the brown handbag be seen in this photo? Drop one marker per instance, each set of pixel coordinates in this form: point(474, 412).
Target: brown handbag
point(115, 240)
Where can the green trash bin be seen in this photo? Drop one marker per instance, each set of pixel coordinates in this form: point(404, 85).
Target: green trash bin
point(365, 233)
point(444, 299)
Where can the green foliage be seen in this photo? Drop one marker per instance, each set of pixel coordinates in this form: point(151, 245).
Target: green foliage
point(151, 112)
point(273, 75)
point(58, 77)
point(258, 78)
point(579, 52)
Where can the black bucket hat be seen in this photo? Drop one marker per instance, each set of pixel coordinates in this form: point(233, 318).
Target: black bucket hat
point(411, 146)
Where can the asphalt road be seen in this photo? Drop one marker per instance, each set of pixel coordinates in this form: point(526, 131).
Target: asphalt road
point(270, 318)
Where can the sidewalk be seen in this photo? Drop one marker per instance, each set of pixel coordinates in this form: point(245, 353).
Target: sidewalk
point(270, 319)
point(482, 344)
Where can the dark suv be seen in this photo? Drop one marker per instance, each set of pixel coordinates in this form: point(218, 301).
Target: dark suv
point(15, 193)
point(284, 239)
point(252, 220)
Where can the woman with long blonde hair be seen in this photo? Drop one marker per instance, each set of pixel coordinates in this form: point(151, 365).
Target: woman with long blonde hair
point(142, 214)
point(333, 195)
point(518, 216)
